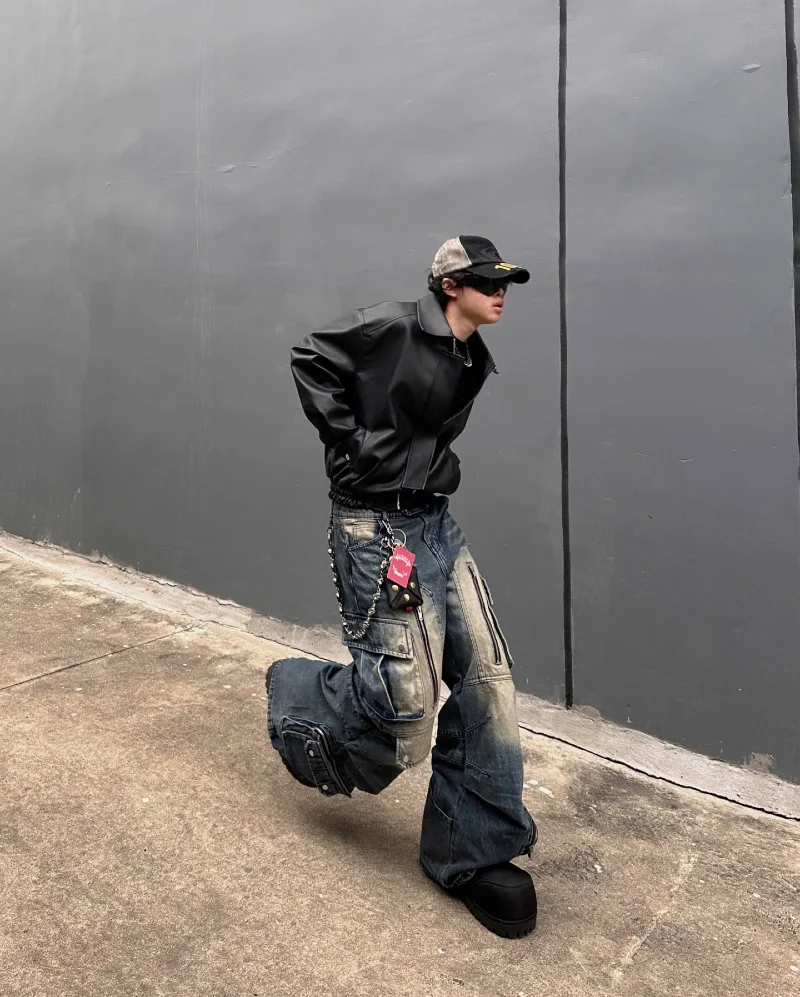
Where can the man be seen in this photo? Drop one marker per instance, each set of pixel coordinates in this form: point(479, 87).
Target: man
point(389, 388)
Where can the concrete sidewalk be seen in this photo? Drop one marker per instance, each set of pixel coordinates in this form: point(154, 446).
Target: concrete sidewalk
point(152, 843)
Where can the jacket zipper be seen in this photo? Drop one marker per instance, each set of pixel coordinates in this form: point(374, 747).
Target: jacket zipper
point(498, 657)
point(492, 364)
point(428, 655)
point(463, 409)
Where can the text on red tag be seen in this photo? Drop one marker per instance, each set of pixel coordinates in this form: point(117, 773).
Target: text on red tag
point(400, 566)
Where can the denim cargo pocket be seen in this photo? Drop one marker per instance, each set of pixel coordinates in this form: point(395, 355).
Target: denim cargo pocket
point(360, 530)
point(358, 552)
point(388, 673)
point(308, 754)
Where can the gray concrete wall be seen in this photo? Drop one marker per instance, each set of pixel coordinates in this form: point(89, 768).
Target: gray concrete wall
point(683, 415)
point(190, 188)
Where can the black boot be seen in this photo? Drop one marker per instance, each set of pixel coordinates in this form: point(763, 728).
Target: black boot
point(502, 898)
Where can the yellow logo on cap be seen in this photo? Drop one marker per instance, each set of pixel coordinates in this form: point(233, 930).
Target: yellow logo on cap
point(504, 266)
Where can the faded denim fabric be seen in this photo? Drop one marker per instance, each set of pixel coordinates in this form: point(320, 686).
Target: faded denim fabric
point(344, 727)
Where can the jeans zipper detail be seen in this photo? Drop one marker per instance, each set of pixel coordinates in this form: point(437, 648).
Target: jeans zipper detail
point(498, 656)
point(428, 655)
point(497, 626)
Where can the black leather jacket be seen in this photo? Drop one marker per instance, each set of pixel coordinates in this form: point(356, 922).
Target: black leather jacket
point(388, 396)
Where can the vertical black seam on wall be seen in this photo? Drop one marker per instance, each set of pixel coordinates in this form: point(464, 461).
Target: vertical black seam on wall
point(794, 173)
point(562, 291)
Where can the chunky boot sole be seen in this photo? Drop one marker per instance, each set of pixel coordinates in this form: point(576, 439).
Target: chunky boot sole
point(506, 929)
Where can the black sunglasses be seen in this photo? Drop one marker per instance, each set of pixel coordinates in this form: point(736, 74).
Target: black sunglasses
point(485, 285)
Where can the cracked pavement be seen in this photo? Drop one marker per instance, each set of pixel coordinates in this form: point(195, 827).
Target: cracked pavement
point(152, 843)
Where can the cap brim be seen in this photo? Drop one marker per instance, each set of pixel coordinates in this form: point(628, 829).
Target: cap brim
point(502, 271)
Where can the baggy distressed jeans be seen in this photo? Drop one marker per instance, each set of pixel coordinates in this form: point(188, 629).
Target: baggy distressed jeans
point(344, 727)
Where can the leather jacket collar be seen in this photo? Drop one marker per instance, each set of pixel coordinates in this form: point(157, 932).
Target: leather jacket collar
point(431, 317)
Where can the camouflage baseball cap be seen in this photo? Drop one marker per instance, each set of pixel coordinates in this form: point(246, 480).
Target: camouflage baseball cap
point(478, 256)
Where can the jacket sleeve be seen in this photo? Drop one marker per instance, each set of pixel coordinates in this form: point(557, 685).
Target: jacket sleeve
point(324, 365)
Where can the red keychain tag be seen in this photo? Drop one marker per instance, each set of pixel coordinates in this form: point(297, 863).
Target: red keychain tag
point(400, 566)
